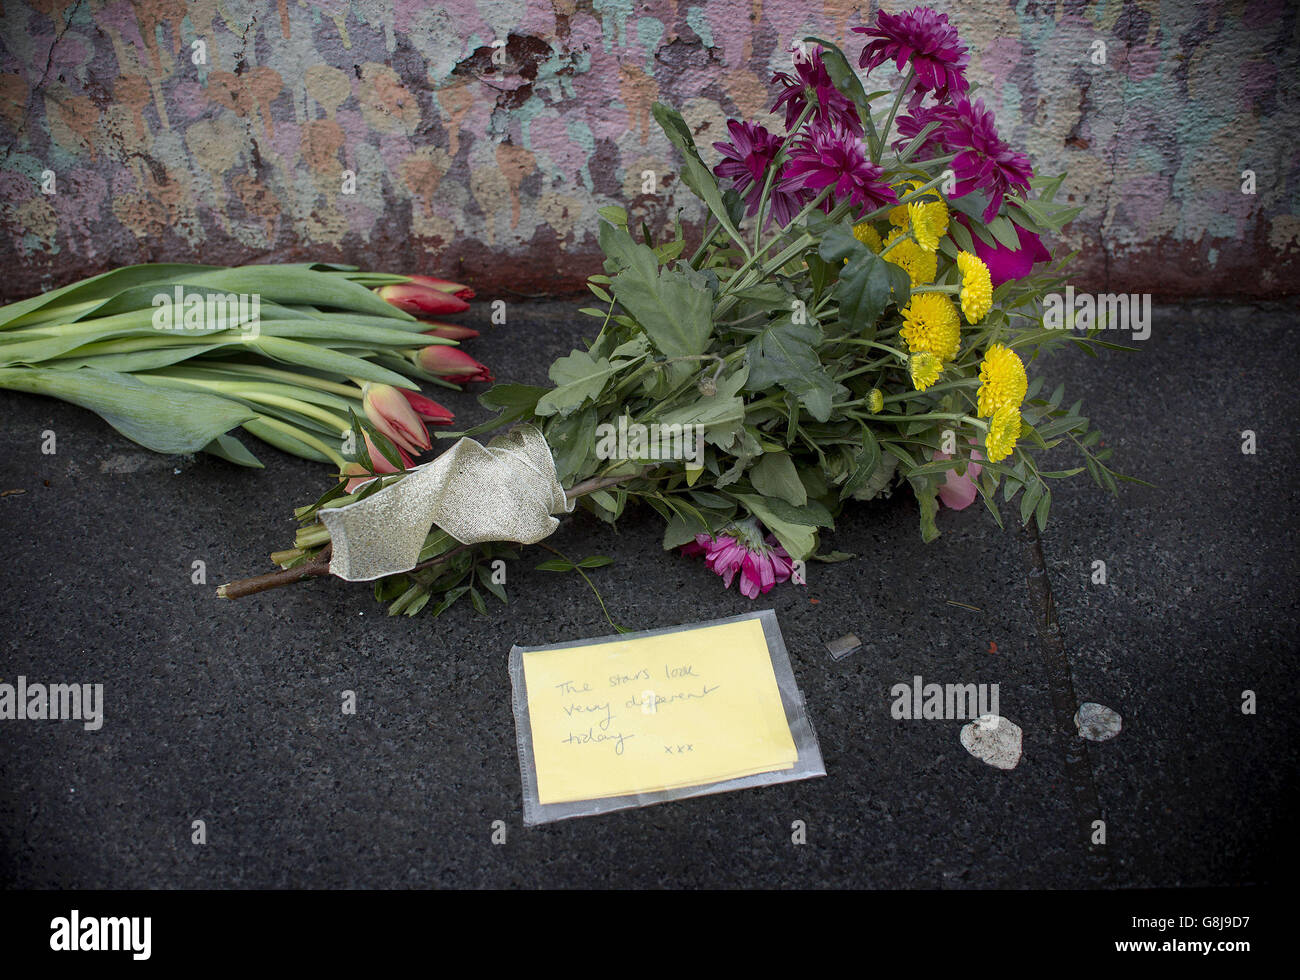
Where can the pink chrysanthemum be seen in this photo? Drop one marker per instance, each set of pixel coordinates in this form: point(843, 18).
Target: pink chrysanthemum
point(927, 40)
point(831, 156)
point(762, 563)
point(812, 82)
point(747, 159)
point(983, 161)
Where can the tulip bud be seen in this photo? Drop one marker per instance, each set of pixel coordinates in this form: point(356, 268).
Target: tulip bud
point(451, 331)
point(457, 289)
point(427, 408)
point(421, 300)
point(380, 462)
point(453, 364)
point(394, 417)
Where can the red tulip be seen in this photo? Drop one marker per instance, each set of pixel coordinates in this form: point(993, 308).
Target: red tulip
point(427, 408)
point(378, 462)
point(421, 300)
point(394, 417)
point(451, 331)
point(455, 288)
point(453, 364)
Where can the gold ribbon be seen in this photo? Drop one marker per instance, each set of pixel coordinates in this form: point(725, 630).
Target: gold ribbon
point(506, 491)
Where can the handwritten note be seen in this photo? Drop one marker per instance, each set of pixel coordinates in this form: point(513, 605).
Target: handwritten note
point(655, 712)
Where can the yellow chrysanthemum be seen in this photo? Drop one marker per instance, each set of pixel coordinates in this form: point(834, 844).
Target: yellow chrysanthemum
point(919, 264)
point(938, 216)
point(925, 369)
point(976, 287)
point(1004, 430)
point(919, 219)
point(898, 216)
point(867, 235)
point(875, 400)
point(1004, 384)
point(931, 323)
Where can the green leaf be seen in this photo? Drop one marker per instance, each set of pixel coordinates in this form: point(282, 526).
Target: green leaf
point(595, 561)
point(679, 531)
point(289, 284)
point(796, 537)
point(1029, 499)
point(165, 420)
point(1040, 512)
point(721, 414)
point(617, 245)
point(448, 599)
point(89, 293)
point(865, 462)
point(579, 377)
point(572, 439)
point(231, 449)
point(513, 401)
point(833, 557)
point(775, 475)
point(555, 565)
point(784, 353)
point(485, 577)
point(926, 490)
point(614, 214)
point(1004, 230)
point(695, 175)
point(286, 443)
point(675, 307)
point(323, 359)
point(867, 283)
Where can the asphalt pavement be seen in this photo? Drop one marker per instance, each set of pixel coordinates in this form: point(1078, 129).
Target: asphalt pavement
point(229, 712)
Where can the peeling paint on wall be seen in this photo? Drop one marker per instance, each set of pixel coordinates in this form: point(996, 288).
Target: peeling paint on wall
point(477, 139)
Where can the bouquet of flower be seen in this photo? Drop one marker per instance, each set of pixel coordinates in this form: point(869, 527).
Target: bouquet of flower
point(857, 317)
point(176, 356)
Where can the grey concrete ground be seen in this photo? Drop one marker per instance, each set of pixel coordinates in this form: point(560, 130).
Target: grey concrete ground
point(229, 712)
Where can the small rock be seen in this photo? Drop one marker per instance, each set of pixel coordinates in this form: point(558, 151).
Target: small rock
point(1096, 722)
point(841, 648)
point(993, 740)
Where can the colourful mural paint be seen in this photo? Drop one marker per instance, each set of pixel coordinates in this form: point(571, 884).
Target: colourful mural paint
point(477, 139)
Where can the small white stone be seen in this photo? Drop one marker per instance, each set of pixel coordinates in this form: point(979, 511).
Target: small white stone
point(993, 740)
point(1096, 722)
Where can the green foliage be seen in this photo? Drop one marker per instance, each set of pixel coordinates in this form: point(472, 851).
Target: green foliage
point(784, 346)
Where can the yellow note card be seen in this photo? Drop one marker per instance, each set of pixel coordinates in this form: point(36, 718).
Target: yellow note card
point(652, 713)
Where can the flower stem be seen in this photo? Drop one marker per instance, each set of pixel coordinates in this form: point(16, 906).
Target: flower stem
point(294, 432)
point(772, 169)
point(889, 123)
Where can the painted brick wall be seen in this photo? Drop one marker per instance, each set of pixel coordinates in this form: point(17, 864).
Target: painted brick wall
point(493, 172)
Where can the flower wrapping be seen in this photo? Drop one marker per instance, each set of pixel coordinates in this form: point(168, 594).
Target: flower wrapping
point(506, 491)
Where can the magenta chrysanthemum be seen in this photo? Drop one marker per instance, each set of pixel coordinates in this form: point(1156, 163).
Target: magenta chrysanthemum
point(812, 82)
point(750, 152)
point(748, 157)
point(983, 161)
point(910, 126)
point(762, 563)
point(831, 156)
point(927, 40)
